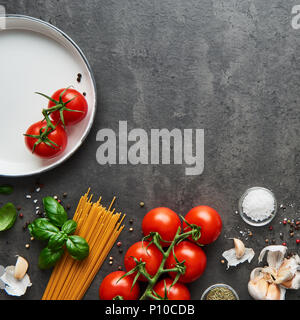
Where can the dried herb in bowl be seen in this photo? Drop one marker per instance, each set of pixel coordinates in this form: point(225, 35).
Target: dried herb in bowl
point(219, 292)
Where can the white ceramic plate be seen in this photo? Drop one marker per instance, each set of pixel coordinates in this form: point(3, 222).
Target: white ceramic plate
point(37, 57)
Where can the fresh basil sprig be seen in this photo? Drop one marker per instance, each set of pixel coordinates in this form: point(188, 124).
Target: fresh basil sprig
point(57, 230)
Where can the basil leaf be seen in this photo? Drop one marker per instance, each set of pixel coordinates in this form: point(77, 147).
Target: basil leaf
point(55, 212)
point(77, 247)
point(42, 229)
point(8, 215)
point(69, 227)
point(6, 189)
point(48, 257)
point(57, 241)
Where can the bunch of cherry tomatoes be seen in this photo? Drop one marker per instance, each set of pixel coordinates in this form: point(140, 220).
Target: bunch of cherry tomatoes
point(187, 252)
point(48, 138)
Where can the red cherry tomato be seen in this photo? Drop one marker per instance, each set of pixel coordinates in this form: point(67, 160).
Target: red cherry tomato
point(111, 287)
point(43, 150)
point(177, 292)
point(151, 256)
point(78, 102)
point(195, 261)
point(208, 219)
point(164, 221)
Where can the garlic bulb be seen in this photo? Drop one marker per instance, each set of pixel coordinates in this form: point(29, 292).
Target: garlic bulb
point(271, 282)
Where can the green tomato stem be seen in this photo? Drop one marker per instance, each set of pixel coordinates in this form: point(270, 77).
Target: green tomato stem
point(153, 280)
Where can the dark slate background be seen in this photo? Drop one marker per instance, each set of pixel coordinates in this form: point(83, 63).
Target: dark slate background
point(228, 66)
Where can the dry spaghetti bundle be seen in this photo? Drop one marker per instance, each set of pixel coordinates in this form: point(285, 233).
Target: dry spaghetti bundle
point(100, 227)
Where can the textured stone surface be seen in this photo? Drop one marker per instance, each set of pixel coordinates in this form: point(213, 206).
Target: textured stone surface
point(228, 66)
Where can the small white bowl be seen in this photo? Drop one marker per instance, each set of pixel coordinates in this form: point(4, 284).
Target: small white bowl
point(219, 285)
point(250, 221)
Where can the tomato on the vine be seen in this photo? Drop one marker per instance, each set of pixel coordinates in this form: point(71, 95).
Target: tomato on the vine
point(164, 221)
point(149, 254)
point(208, 219)
point(48, 146)
point(112, 287)
point(194, 260)
point(177, 292)
point(74, 104)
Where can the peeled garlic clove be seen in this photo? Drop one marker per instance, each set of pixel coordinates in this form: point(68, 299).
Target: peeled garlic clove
point(239, 248)
point(273, 292)
point(20, 268)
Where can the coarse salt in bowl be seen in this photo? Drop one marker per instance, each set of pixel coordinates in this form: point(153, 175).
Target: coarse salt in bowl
point(258, 206)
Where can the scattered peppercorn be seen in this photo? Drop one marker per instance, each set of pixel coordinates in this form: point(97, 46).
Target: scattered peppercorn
point(120, 250)
point(298, 241)
point(79, 76)
point(111, 258)
point(222, 261)
point(284, 222)
point(32, 238)
point(273, 241)
point(130, 229)
point(68, 206)
point(110, 262)
point(19, 208)
point(267, 241)
point(119, 244)
point(291, 234)
point(142, 204)
point(21, 215)
point(120, 268)
point(131, 221)
point(270, 228)
point(27, 246)
point(284, 244)
point(65, 194)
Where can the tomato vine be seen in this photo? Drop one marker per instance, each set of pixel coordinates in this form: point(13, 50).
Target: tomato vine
point(194, 232)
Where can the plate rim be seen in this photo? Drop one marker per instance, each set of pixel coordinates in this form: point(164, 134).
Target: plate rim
point(90, 124)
